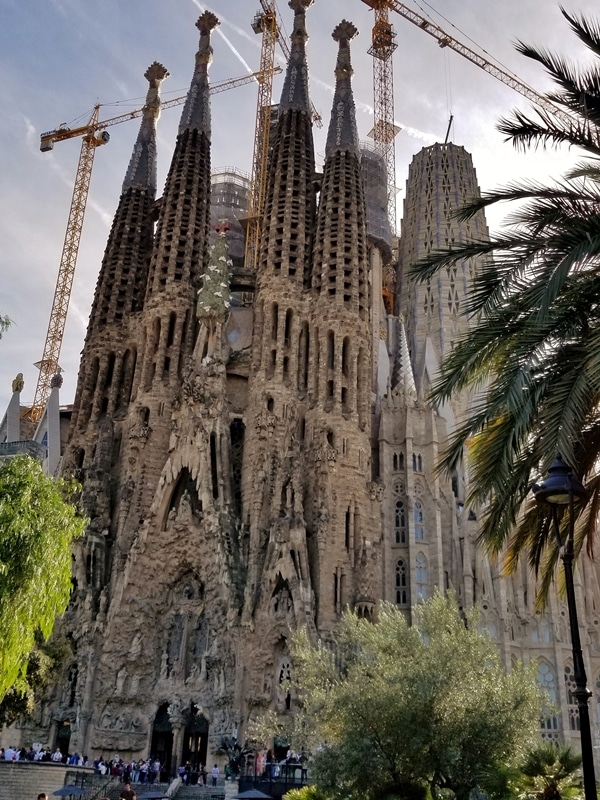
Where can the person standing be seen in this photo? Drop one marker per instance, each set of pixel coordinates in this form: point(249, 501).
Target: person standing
point(127, 793)
point(215, 774)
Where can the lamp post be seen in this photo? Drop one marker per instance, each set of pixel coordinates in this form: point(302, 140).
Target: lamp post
point(560, 489)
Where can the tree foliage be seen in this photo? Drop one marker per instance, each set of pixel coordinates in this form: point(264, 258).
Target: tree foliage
point(532, 355)
point(550, 773)
point(37, 527)
point(399, 708)
point(4, 324)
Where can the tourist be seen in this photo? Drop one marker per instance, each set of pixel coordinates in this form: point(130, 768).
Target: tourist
point(127, 793)
point(42, 796)
point(154, 771)
point(215, 774)
point(57, 756)
point(10, 754)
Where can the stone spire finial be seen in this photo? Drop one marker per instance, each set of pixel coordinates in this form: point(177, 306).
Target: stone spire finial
point(18, 383)
point(141, 172)
point(343, 133)
point(295, 87)
point(196, 111)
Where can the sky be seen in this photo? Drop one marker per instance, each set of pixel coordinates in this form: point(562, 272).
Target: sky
point(60, 57)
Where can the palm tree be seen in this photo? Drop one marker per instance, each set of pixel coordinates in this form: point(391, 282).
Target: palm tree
point(533, 354)
point(550, 773)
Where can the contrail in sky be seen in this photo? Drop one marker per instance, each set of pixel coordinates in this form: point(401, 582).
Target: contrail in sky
point(235, 52)
point(363, 107)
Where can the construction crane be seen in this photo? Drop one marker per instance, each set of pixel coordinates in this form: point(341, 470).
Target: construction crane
point(382, 48)
point(93, 135)
point(446, 40)
point(265, 24)
point(384, 129)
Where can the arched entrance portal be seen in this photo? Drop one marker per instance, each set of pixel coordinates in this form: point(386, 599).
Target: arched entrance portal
point(63, 736)
point(162, 740)
point(195, 740)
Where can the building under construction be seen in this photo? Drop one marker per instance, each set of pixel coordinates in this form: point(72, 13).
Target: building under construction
point(255, 448)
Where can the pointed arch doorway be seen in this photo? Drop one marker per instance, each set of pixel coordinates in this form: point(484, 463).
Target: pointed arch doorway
point(195, 739)
point(162, 739)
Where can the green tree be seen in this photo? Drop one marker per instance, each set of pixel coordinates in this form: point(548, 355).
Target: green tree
point(37, 527)
point(550, 773)
point(532, 356)
point(402, 709)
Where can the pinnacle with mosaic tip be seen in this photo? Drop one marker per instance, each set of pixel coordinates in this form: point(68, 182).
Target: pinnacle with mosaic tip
point(299, 6)
point(207, 22)
point(156, 72)
point(345, 32)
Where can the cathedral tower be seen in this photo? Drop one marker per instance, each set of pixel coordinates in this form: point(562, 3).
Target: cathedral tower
point(343, 509)
point(109, 357)
point(273, 480)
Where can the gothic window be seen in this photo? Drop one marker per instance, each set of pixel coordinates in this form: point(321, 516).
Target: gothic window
point(401, 583)
point(284, 679)
point(418, 520)
point(400, 522)
point(541, 631)
point(346, 357)
point(546, 681)
point(545, 631)
point(572, 708)
point(288, 327)
point(274, 320)
point(421, 576)
point(236, 432)
point(214, 466)
point(330, 350)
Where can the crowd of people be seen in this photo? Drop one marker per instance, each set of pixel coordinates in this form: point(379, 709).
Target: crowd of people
point(143, 771)
point(42, 754)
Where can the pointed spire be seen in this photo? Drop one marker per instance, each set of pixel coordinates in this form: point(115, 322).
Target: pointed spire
point(343, 133)
point(196, 111)
point(295, 87)
point(141, 172)
point(403, 378)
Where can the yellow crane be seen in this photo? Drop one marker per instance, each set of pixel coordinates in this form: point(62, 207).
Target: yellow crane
point(446, 40)
point(264, 23)
point(382, 48)
point(384, 129)
point(93, 135)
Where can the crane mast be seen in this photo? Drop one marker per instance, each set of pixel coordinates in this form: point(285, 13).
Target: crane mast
point(264, 23)
point(93, 135)
point(384, 129)
point(48, 366)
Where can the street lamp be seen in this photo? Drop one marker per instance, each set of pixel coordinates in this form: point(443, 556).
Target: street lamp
point(560, 489)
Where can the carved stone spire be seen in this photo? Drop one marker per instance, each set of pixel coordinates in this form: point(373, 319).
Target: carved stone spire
point(403, 379)
point(343, 134)
point(142, 167)
point(295, 87)
point(196, 111)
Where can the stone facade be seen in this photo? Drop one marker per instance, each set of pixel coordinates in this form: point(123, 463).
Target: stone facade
point(251, 469)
